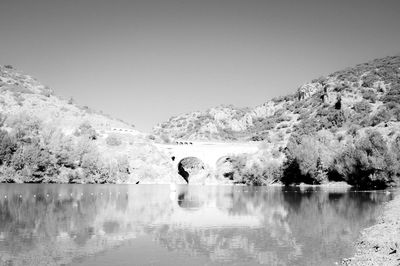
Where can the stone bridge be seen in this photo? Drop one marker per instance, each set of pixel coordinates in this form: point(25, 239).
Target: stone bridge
point(207, 152)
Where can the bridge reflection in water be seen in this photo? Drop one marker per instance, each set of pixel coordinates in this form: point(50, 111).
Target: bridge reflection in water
point(64, 224)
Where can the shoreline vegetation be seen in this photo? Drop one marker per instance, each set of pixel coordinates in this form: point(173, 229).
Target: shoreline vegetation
point(380, 243)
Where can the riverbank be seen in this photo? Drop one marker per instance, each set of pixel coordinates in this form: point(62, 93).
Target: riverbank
point(380, 244)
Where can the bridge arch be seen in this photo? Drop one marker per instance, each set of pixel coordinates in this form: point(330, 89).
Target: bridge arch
point(190, 166)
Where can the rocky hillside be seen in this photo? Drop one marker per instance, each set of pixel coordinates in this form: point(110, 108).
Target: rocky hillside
point(364, 95)
point(74, 143)
point(22, 93)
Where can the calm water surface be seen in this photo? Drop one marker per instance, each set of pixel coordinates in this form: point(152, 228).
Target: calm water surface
point(154, 225)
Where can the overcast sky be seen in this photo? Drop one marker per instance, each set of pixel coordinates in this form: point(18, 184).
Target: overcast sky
point(144, 61)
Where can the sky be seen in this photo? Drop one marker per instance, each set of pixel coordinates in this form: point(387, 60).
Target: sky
point(145, 61)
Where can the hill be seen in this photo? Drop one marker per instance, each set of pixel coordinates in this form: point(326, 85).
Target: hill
point(364, 95)
point(342, 127)
point(44, 138)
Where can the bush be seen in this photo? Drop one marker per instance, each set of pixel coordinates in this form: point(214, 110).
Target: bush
point(31, 154)
point(262, 175)
point(310, 157)
point(85, 129)
point(302, 153)
point(362, 107)
point(368, 80)
point(353, 129)
point(47, 91)
point(113, 140)
point(18, 98)
point(165, 138)
point(8, 146)
point(151, 137)
point(336, 119)
point(381, 116)
point(34, 162)
point(24, 126)
point(369, 95)
point(393, 95)
point(307, 126)
point(368, 162)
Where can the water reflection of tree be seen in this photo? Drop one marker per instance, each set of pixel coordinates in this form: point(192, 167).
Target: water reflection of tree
point(321, 224)
point(241, 243)
point(270, 226)
point(48, 224)
point(327, 223)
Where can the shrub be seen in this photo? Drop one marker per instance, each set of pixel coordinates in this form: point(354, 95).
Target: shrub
point(47, 91)
point(396, 113)
point(86, 129)
point(24, 126)
point(303, 152)
point(32, 154)
point(369, 95)
point(18, 98)
point(333, 119)
point(321, 80)
point(165, 138)
point(368, 80)
point(353, 129)
point(59, 145)
point(309, 157)
point(252, 170)
point(307, 127)
point(34, 162)
point(363, 107)
point(113, 140)
point(393, 95)
point(381, 116)
point(19, 89)
point(8, 146)
point(368, 163)
point(262, 175)
point(282, 125)
point(151, 137)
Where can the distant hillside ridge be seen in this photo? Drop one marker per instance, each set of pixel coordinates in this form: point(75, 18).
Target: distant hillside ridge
point(366, 95)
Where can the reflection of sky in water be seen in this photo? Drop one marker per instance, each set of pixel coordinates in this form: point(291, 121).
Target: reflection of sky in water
point(51, 224)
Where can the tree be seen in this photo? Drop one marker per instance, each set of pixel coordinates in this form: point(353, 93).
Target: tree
point(310, 157)
point(86, 129)
point(113, 140)
point(61, 146)
point(8, 146)
point(34, 162)
point(368, 162)
point(24, 126)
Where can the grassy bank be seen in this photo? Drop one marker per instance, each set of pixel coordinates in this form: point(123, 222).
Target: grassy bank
point(380, 244)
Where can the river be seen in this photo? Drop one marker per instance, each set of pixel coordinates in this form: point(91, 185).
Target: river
point(184, 225)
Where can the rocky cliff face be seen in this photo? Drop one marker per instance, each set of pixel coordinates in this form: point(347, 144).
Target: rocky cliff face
point(364, 95)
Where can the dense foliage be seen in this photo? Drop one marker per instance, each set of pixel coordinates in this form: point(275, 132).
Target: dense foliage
point(366, 160)
point(33, 153)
